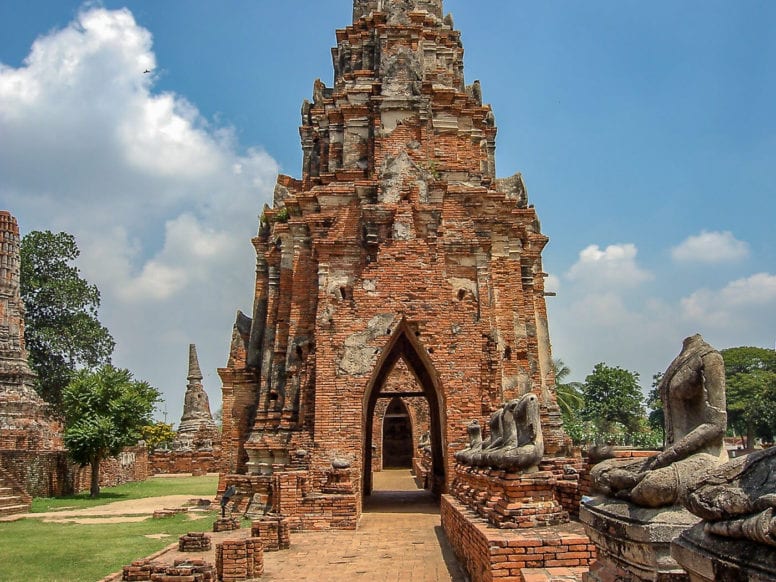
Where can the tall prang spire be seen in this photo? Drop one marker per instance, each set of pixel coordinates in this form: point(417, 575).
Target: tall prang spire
point(197, 427)
point(194, 372)
point(24, 420)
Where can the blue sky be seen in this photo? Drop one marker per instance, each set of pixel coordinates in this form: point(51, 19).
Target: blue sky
point(645, 133)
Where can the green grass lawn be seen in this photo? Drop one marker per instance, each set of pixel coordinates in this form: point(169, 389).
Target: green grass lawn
point(32, 550)
point(154, 487)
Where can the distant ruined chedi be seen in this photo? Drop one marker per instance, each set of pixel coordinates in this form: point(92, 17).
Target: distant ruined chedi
point(398, 249)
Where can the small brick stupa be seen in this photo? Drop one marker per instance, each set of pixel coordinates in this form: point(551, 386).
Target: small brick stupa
point(24, 420)
point(197, 429)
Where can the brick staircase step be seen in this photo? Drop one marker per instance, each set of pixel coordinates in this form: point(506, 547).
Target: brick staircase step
point(5, 490)
point(14, 509)
point(10, 500)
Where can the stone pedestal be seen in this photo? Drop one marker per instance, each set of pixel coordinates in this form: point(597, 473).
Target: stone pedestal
point(710, 558)
point(510, 500)
point(633, 543)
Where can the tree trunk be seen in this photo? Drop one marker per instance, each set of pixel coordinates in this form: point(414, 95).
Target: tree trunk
point(94, 490)
point(750, 436)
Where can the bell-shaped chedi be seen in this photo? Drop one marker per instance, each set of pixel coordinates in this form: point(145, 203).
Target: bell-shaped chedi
point(24, 419)
point(397, 247)
point(197, 428)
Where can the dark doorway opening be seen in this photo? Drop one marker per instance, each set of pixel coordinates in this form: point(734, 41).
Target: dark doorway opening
point(405, 346)
point(397, 436)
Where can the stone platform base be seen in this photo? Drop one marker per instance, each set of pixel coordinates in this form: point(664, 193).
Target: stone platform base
point(710, 558)
point(488, 553)
point(553, 574)
point(634, 543)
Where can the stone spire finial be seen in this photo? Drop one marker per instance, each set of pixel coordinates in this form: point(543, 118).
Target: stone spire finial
point(363, 8)
point(194, 372)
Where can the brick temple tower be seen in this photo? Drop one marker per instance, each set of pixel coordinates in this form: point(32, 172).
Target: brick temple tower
point(398, 252)
point(24, 420)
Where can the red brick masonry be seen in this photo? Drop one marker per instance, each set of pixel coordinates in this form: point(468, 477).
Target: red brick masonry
point(490, 554)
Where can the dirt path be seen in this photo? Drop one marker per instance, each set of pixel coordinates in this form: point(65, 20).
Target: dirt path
point(115, 512)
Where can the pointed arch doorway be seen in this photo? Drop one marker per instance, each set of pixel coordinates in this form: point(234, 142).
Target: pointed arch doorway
point(405, 345)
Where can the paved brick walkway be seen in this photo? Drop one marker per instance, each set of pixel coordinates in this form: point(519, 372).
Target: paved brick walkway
point(399, 539)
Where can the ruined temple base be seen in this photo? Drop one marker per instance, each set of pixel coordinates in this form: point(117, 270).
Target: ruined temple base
point(510, 500)
point(634, 543)
point(489, 553)
point(290, 494)
point(710, 558)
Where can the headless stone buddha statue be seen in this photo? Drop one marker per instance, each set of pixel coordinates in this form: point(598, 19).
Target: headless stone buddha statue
point(494, 441)
point(738, 499)
point(475, 443)
point(523, 446)
point(693, 395)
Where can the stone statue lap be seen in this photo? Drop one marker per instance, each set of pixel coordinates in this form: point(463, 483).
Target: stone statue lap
point(737, 499)
point(693, 395)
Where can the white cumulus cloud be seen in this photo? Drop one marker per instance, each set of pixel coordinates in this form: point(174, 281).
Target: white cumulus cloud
point(711, 247)
point(613, 266)
point(743, 303)
point(162, 201)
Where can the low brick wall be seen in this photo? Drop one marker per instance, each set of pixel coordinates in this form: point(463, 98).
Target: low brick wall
point(290, 494)
point(194, 462)
point(51, 473)
point(489, 554)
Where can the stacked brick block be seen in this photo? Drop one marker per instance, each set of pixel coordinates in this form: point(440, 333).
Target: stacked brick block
point(274, 532)
point(194, 542)
point(238, 560)
point(180, 571)
point(397, 249)
point(226, 524)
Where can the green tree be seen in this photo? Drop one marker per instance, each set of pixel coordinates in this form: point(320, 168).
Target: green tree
point(157, 434)
point(613, 396)
point(105, 410)
point(750, 375)
point(568, 394)
point(62, 331)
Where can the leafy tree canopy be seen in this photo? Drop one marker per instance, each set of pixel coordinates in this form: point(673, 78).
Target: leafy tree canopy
point(613, 395)
point(750, 375)
point(62, 331)
point(104, 410)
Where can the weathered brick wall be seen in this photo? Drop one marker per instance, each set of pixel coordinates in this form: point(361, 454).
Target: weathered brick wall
point(194, 462)
point(51, 473)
